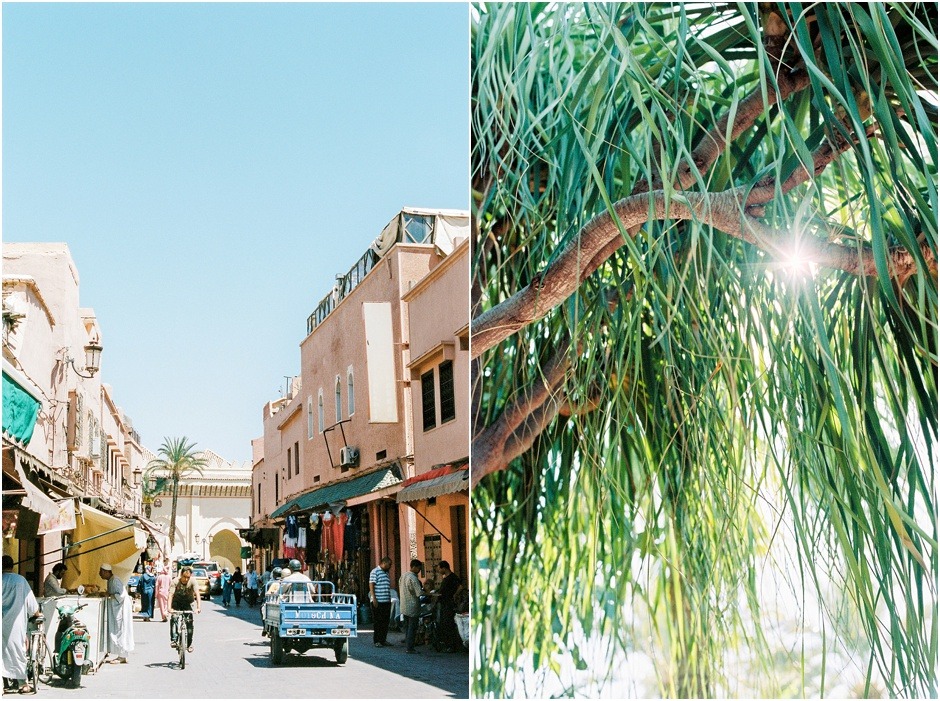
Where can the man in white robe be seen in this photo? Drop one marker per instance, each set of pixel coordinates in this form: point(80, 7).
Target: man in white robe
point(120, 617)
point(19, 605)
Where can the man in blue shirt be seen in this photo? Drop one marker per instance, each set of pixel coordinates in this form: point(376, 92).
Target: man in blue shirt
point(380, 594)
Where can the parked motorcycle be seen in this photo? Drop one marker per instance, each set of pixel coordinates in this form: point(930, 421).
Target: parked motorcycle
point(71, 644)
point(427, 622)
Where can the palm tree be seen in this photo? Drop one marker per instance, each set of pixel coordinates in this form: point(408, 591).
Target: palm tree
point(705, 341)
point(177, 459)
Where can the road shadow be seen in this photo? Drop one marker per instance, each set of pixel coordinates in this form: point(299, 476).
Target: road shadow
point(306, 661)
point(164, 665)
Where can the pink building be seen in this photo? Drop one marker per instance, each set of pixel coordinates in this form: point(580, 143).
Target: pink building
point(70, 454)
point(337, 449)
point(438, 494)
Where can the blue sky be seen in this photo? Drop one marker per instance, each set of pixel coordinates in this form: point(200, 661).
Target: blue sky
point(212, 167)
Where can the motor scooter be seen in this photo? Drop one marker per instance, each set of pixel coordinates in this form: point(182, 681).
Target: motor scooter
point(427, 622)
point(71, 644)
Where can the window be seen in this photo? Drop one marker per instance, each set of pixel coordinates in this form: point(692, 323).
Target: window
point(259, 497)
point(288, 463)
point(445, 375)
point(427, 400)
point(350, 393)
point(296, 459)
point(339, 401)
point(320, 409)
point(309, 418)
point(417, 228)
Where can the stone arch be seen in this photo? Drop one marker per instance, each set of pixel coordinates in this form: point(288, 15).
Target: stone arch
point(225, 548)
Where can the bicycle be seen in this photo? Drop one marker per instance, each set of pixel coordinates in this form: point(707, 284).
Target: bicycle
point(38, 657)
point(179, 619)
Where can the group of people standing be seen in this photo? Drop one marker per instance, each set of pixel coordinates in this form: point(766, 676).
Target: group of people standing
point(410, 591)
point(154, 588)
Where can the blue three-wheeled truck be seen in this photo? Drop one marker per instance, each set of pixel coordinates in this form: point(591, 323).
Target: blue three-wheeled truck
point(300, 615)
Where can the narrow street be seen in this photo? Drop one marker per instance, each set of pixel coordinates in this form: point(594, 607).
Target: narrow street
point(231, 660)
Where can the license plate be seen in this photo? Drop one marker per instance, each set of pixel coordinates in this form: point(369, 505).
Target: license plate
point(79, 654)
point(340, 631)
point(295, 631)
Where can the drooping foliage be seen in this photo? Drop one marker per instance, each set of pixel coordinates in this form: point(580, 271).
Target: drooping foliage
point(705, 325)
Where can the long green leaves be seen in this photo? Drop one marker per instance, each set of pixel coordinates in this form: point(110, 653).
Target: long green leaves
point(737, 494)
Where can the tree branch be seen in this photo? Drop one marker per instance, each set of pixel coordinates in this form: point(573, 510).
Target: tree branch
point(724, 211)
point(493, 448)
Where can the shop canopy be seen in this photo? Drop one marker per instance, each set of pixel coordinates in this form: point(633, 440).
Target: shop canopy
point(332, 493)
point(99, 538)
point(434, 483)
point(21, 403)
point(35, 498)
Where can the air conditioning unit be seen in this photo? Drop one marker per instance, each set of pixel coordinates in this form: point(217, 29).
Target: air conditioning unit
point(349, 456)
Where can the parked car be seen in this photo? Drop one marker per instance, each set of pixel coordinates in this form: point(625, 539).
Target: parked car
point(202, 581)
point(215, 575)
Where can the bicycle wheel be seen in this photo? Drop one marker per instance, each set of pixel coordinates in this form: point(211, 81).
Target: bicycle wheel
point(44, 660)
point(33, 663)
point(183, 641)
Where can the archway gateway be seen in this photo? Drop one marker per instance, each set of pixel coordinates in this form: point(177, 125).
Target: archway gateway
point(225, 548)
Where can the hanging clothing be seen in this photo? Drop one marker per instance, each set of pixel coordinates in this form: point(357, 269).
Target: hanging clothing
point(292, 526)
point(351, 536)
point(120, 619)
point(339, 531)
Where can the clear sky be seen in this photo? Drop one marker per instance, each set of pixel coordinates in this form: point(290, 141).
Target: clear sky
point(212, 167)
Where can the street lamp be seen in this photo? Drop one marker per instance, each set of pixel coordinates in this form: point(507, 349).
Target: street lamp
point(92, 360)
point(136, 474)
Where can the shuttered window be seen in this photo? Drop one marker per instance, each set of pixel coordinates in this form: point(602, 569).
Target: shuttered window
point(446, 378)
point(427, 400)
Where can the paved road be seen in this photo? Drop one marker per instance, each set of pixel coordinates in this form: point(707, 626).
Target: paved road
point(231, 660)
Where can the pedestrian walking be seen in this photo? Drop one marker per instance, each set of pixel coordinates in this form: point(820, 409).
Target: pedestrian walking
point(410, 589)
point(148, 589)
point(238, 580)
point(163, 592)
point(120, 616)
point(380, 597)
point(251, 584)
point(450, 586)
point(19, 605)
point(226, 587)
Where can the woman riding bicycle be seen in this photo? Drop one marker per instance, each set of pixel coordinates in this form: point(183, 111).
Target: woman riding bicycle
point(183, 594)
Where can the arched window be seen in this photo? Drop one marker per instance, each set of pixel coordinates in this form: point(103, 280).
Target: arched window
point(350, 392)
point(309, 417)
point(320, 409)
point(339, 400)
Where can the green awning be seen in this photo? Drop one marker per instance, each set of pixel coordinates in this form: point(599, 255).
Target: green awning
point(320, 498)
point(20, 409)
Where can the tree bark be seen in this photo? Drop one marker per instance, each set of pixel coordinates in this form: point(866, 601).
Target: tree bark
point(725, 211)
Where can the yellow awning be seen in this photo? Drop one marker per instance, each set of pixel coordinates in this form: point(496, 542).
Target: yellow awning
point(102, 538)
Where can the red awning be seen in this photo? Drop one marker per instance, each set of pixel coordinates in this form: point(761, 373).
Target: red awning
point(435, 473)
point(433, 483)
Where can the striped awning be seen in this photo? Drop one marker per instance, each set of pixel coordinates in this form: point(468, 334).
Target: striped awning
point(434, 483)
